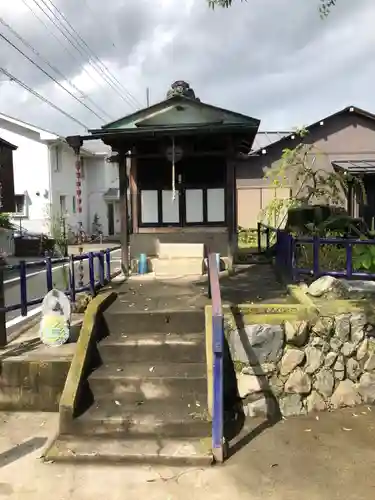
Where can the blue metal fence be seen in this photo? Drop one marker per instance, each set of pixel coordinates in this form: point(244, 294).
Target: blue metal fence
point(105, 274)
point(287, 255)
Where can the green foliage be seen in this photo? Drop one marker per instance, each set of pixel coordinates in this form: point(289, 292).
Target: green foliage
point(364, 257)
point(297, 167)
point(5, 222)
point(324, 7)
point(57, 233)
point(247, 238)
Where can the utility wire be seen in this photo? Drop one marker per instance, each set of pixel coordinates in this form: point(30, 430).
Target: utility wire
point(56, 70)
point(78, 46)
point(66, 49)
point(12, 78)
point(113, 78)
point(3, 37)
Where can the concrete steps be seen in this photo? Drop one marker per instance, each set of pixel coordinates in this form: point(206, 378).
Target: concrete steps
point(179, 259)
point(110, 417)
point(142, 380)
point(182, 348)
point(178, 266)
point(162, 321)
point(153, 451)
point(149, 395)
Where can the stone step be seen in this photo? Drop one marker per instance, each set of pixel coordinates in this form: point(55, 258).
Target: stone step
point(155, 321)
point(153, 451)
point(152, 348)
point(183, 417)
point(183, 266)
point(146, 382)
point(180, 250)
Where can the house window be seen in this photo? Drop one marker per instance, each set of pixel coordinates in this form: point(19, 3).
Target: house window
point(57, 159)
point(20, 205)
point(74, 207)
point(62, 204)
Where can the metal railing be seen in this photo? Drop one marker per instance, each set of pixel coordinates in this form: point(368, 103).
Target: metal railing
point(92, 286)
point(288, 252)
point(218, 442)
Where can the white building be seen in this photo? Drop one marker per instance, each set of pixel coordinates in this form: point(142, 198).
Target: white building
point(45, 181)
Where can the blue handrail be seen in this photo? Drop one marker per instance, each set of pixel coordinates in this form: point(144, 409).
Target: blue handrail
point(105, 275)
point(218, 353)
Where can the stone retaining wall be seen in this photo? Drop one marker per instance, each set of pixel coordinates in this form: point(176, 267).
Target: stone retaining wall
point(303, 366)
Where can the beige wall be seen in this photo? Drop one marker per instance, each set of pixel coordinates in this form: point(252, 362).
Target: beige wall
point(252, 200)
point(345, 137)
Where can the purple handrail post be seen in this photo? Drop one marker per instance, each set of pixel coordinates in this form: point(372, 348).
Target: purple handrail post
point(23, 288)
point(3, 327)
point(49, 274)
point(218, 382)
point(293, 266)
point(267, 239)
point(217, 356)
point(316, 246)
point(349, 260)
point(72, 279)
point(108, 261)
point(101, 269)
point(259, 237)
point(92, 274)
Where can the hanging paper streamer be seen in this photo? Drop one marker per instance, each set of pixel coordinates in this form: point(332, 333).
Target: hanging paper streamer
point(173, 171)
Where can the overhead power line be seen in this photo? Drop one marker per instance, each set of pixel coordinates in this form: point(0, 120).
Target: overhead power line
point(72, 39)
point(61, 43)
point(54, 68)
point(12, 78)
point(113, 78)
point(3, 37)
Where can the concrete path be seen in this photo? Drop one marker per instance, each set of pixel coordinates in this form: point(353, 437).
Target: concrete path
point(332, 458)
point(253, 283)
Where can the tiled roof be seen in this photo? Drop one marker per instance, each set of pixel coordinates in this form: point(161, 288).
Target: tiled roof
point(264, 138)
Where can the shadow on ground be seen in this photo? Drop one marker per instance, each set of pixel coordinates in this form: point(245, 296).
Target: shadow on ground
point(21, 450)
point(233, 402)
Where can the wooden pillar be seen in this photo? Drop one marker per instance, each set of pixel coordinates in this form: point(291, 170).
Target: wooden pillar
point(230, 210)
point(134, 193)
point(124, 214)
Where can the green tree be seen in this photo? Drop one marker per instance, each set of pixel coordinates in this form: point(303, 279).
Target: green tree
point(298, 167)
point(325, 6)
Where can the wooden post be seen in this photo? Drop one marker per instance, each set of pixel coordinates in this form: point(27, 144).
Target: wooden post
point(124, 213)
point(3, 328)
point(134, 193)
point(230, 210)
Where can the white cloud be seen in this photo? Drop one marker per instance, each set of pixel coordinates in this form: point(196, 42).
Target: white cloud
point(272, 59)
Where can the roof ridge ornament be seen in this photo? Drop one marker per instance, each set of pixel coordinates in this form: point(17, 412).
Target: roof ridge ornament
point(181, 88)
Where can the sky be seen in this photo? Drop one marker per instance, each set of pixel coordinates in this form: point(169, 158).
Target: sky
point(274, 60)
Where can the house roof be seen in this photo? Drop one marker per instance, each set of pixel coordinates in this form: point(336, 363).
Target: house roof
point(356, 166)
point(264, 138)
point(289, 135)
point(7, 144)
point(44, 134)
point(146, 117)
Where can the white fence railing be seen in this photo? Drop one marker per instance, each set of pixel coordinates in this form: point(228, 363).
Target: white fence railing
point(6, 242)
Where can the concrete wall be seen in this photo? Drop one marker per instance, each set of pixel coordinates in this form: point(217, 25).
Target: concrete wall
point(344, 137)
